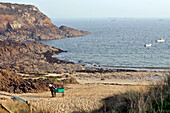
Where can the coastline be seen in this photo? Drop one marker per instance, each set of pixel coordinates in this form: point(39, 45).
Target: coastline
point(118, 68)
point(162, 69)
point(90, 87)
point(104, 68)
point(29, 67)
point(122, 68)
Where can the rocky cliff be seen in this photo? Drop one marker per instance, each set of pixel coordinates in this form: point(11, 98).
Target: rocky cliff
point(26, 23)
point(33, 58)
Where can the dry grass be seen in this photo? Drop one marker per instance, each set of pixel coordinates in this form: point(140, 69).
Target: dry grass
point(155, 100)
point(20, 107)
point(3, 111)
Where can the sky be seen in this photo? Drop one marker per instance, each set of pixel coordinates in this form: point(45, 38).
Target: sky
point(101, 8)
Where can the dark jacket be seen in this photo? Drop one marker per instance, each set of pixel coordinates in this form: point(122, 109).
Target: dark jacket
point(52, 88)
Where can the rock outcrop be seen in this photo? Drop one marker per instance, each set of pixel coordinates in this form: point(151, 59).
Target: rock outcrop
point(14, 83)
point(33, 58)
point(26, 23)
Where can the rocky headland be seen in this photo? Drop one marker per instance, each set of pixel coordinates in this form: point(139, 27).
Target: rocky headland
point(34, 58)
point(26, 23)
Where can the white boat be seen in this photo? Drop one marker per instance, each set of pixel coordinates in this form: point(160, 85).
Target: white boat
point(148, 45)
point(161, 40)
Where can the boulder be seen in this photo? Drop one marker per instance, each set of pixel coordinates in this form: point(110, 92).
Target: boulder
point(73, 81)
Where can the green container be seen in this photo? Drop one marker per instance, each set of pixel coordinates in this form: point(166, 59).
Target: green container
point(59, 90)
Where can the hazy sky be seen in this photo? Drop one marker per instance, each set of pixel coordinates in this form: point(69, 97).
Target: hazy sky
point(101, 8)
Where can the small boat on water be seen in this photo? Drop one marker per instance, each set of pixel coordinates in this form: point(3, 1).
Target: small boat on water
point(161, 40)
point(148, 45)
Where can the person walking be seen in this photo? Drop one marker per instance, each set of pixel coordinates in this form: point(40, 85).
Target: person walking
point(52, 88)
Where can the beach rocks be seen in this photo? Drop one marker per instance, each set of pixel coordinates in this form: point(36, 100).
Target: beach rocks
point(73, 81)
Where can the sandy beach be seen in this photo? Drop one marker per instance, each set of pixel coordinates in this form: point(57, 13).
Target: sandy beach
point(92, 88)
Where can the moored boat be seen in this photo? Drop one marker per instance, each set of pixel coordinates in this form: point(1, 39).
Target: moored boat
point(161, 40)
point(148, 45)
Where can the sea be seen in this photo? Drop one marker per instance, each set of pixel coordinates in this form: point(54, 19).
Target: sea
point(117, 43)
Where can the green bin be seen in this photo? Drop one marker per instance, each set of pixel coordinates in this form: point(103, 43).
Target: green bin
point(59, 90)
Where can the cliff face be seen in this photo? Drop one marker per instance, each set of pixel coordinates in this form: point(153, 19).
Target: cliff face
point(27, 23)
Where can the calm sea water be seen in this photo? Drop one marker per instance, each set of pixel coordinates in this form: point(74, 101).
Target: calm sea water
point(116, 43)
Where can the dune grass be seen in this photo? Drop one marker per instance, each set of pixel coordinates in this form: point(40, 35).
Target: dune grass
point(154, 100)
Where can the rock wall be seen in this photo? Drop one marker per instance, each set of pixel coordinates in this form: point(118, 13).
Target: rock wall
point(26, 23)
